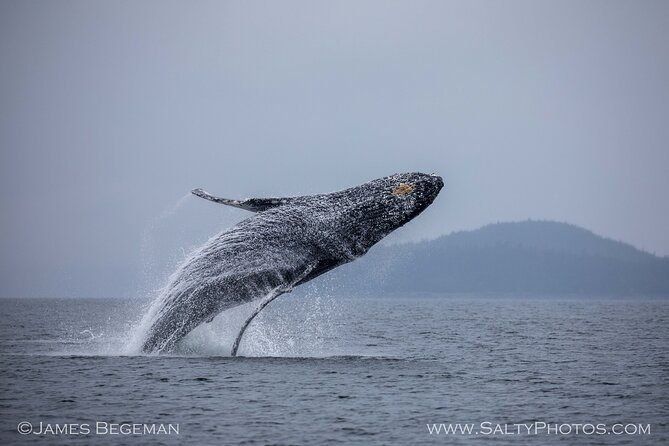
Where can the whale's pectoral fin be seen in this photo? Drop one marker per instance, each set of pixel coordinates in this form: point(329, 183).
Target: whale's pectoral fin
point(273, 295)
point(251, 204)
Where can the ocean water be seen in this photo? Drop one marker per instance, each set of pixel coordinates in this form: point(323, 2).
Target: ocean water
point(323, 370)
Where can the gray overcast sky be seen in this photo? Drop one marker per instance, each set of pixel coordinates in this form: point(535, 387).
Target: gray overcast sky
point(111, 111)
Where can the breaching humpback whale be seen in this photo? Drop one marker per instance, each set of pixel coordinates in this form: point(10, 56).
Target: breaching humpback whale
point(287, 242)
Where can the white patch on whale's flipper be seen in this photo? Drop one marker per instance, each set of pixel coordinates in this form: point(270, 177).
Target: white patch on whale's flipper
point(273, 295)
point(250, 204)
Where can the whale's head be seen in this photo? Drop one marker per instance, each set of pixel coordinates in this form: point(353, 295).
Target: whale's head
point(408, 194)
point(383, 205)
point(405, 195)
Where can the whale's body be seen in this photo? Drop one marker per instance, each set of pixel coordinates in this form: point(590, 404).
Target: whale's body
point(288, 242)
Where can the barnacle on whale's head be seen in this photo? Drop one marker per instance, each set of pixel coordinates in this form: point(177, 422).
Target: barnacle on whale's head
point(403, 189)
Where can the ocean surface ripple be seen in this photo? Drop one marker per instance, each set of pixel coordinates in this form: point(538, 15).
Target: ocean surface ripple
point(342, 371)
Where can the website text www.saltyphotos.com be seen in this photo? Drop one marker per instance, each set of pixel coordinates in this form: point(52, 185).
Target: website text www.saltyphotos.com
point(538, 428)
point(96, 428)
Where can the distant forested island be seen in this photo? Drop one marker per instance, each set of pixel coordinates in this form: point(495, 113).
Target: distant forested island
point(529, 257)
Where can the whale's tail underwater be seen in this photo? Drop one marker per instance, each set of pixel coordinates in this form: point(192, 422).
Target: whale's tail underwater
point(287, 242)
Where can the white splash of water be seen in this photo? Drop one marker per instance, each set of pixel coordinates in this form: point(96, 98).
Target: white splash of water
point(298, 327)
point(291, 326)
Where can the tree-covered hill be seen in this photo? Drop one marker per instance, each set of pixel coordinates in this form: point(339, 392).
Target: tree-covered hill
point(538, 257)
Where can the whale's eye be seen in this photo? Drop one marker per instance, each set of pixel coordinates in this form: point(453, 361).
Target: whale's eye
point(403, 189)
